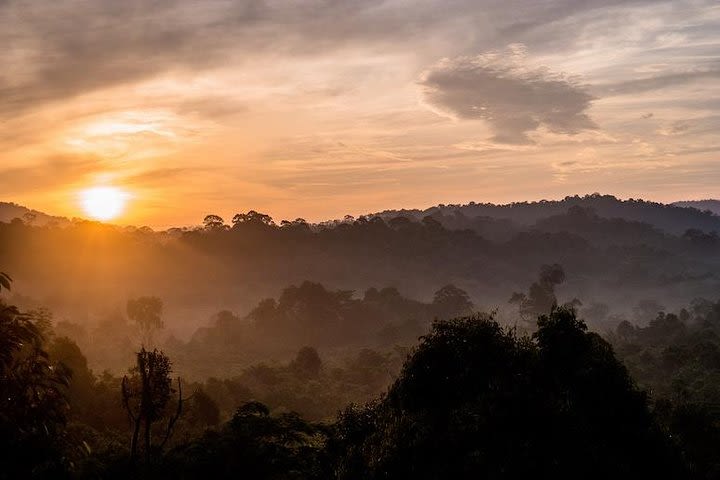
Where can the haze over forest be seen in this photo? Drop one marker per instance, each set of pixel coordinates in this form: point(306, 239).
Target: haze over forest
point(358, 239)
point(314, 318)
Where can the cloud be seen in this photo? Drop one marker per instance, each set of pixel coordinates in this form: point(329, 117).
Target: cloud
point(486, 147)
point(58, 50)
point(54, 170)
point(505, 90)
point(65, 48)
point(658, 82)
point(676, 128)
point(161, 176)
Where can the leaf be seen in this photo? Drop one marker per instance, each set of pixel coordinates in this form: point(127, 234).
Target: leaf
point(5, 281)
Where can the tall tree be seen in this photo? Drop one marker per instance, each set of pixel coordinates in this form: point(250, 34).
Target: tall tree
point(541, 297)
point(213, 223)
point(451, 301)
point(146, 394)
point(146, 312)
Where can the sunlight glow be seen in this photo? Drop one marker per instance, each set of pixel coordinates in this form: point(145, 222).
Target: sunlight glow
point(103, 203)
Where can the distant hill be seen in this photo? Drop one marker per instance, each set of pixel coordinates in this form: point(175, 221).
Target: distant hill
point(501, 222)
point(10, 211)
point(703, 205)
point(671, 218)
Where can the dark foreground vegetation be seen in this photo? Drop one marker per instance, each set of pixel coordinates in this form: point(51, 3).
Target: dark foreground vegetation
point(472, 399)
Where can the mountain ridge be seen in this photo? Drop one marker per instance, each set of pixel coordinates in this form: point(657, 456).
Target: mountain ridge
point(676, 217)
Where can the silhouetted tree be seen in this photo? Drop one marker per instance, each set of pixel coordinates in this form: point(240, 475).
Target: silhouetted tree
point(646, 310)
point(298, 225)
point(477, 401)
point(146, 393)
point(213, 223)
point(29, 218)
point(307, 363)
point(203, 408)
point(33, 406)
point(256, 445)
point(80, 392)
point(451, 301)
point(252, 218)
point(540, 298)
point(146, 312)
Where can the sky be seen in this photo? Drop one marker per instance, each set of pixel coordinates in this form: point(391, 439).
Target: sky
point(322, 108)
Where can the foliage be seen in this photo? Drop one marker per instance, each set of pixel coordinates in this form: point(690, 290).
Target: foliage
point(451, 301)
point(146, 312)
point(33, 405)
point(676, 356)
point(146, 395)
point(540, 298)
point(213, 223)
point(254, 443)
point(476, 401)
point(311, 315)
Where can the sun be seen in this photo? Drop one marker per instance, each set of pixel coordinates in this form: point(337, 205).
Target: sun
point(103, 203)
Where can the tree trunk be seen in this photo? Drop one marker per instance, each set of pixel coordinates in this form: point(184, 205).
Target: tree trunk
point(147, 440)
point(134, 441)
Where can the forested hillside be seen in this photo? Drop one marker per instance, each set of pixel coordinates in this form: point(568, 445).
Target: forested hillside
point(86, 271)
point(578, 346)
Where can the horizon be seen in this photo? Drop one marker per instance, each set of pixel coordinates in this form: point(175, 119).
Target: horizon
point(228, 214)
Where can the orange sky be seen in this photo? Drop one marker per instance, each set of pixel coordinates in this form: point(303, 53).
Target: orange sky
point(321, 108)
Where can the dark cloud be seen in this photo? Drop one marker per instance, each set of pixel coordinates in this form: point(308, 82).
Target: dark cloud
point(503, 90)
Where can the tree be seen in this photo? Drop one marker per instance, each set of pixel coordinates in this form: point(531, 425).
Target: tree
point(253, 218)
point(33, 405)
point(146, 312)
point(213, 223)
point(297, 225)
point(399, 222)
point(540, 298)
point(646, 310)
point(254, 444)
point(307, 363)
point(146, 393)
point(203, 408)
point(80, 392)
point(29, 218)
point(477, 401)
point(451, 301)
